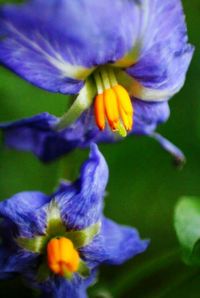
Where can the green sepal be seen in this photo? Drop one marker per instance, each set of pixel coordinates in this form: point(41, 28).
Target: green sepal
point(82, 102)
point(55, 225)
point(187, 226)
point(83, 270)
point(83, 237)
point(34, 245)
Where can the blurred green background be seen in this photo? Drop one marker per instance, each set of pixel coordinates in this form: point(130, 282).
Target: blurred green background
point(143, 188)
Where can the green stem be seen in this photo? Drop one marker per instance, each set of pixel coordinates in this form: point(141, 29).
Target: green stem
point(143, 272)
point(177, 283)
point(82, 103)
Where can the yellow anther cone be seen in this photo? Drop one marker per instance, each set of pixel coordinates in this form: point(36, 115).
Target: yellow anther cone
point(55, 268)
point(75, 261)
point(112, 104)
point(53, 251)
point(125, 106)
point(66, 250)
point(62, 256)
point(111, 108)
point(123, 99)
point(130, 122)
point(125, 118)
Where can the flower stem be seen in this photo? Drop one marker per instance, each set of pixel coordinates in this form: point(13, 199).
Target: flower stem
point(81, 104)
point(143, 272)
point(177, 282)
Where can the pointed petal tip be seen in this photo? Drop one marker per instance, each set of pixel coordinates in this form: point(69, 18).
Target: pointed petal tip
point(94, 151)
point(95, 154)
point(178, 156)
point(141, 244)
point(145, 245)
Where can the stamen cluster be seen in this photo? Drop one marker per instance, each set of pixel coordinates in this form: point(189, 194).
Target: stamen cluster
point(62, 258)
point(112, 103)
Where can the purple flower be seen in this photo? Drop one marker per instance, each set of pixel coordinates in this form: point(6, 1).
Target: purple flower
point(110, 53)
point(58, 241)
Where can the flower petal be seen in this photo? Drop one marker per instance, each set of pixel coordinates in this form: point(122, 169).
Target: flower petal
point(114, 245)
point(60, 287)
point(81, 205)
point(37, 134)
point(177, 154)
point(148, 115)
point(57, 55)
point(4, 274)
point(29, 48)
point(17, 262)
point(165, 52)
point(21, 210)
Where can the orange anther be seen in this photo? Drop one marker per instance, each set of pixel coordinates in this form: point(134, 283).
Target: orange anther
point(61, 256)
point(99, 111)
point(111, 108)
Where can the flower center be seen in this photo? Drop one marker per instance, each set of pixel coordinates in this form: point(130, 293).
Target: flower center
point(62, 258)
point(112, 102)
